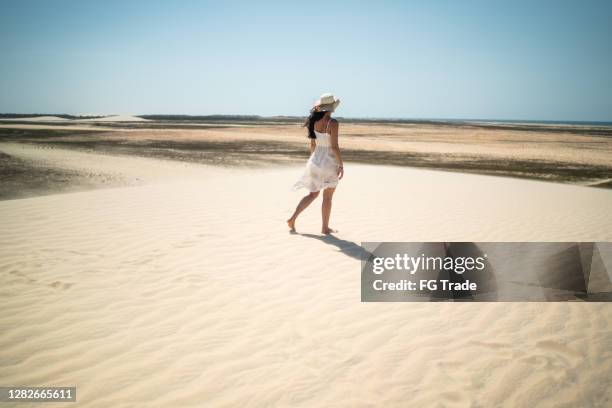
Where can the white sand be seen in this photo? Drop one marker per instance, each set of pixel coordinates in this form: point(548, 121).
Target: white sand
point(38, 119)
point(189, 291)
point(114, 118)
point(110, 118)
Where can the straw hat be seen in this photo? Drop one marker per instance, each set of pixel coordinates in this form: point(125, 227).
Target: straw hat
point(326, 103)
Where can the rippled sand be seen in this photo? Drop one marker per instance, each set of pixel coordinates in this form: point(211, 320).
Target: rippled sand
point(188, 290)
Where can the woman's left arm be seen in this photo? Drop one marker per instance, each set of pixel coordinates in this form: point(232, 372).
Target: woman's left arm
point(335, 126)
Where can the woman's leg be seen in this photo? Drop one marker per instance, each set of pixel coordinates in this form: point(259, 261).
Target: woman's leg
point(304, 202)
point(328, 193)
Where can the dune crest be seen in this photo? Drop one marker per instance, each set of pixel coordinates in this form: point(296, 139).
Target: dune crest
point(114, 118)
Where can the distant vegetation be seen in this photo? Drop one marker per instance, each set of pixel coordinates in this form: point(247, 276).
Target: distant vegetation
point(222, 118)
point(278, 119)
point(189, 121)
point(201, 117)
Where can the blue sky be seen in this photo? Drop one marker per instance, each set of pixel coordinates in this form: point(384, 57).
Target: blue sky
point(547, 60)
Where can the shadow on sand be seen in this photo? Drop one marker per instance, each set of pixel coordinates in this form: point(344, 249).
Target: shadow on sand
point(348, 248)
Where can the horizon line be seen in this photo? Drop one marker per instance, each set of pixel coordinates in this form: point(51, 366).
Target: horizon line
point(373, 118)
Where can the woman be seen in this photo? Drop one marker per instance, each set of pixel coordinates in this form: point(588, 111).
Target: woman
point(324, 168)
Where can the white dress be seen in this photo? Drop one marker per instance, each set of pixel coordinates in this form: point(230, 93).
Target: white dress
point(322, 167)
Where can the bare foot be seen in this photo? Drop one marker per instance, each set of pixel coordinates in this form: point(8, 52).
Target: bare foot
point(328, 231)
point(291, 224)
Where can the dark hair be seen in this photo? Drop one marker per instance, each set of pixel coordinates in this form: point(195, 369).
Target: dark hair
point(314, 117)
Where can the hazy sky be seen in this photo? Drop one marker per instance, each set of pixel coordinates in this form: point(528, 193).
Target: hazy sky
point(549, 60)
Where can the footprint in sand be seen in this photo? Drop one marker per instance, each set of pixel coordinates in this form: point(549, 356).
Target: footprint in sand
point(22, 275)
point(141, 261)
point(61, 285)
point(560, 349)
point(491, 345)
point(454, 396)
point(553, 354)
point(185, 244)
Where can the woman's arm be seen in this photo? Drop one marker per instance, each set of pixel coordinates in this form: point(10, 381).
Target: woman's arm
point(335, 147)
point(313, 144)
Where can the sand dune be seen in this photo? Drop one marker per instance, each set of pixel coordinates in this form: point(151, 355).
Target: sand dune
point(110, 118)
point(189, 291)
point(114, 118)
point(38, 119)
